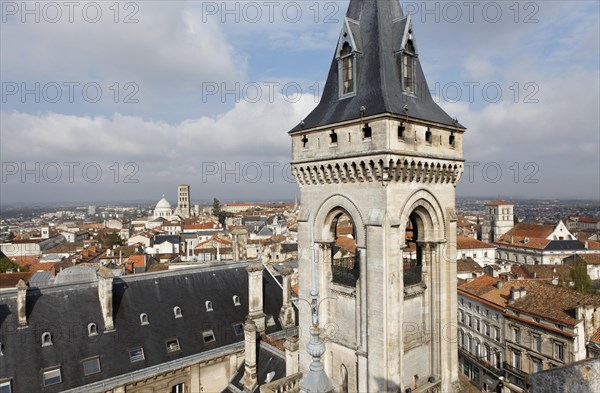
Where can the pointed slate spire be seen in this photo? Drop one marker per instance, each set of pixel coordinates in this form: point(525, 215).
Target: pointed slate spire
point(378, 34)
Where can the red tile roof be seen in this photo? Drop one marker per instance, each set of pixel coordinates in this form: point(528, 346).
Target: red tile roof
point(498, 203)
point(346, 243)
point(468, 243)
point(10, 280)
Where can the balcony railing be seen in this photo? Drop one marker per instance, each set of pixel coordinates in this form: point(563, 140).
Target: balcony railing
point(345, 271)
point(514, 370)
point(289, 384)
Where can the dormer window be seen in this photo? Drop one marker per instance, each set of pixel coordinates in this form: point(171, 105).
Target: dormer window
point(408, 69)
point(347, 70)
point(144, 319)
point(92, 329)
point(209, 306)
point(46, 339)
point(236, 300)
point(177, 312)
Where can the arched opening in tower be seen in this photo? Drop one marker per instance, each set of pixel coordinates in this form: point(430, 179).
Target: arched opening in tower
point(413, 251)
point(345, 267)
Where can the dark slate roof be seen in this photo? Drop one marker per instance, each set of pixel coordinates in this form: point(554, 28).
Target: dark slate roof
point(565, 245)
point(173, 239)
point(289, 247)
point(378, 28)
point(253, 219)
point(267, 361)
point(66, 310)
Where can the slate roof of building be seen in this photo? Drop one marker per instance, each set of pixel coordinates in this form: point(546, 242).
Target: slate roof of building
point(159, 239)
point(66, 310)
point(267, 361)
point(565, 245)
point(378, 27)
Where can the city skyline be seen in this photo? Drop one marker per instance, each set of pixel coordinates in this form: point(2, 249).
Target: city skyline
point(198, 96)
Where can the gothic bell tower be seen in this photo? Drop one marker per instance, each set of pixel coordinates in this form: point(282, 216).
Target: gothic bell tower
point(378, 162)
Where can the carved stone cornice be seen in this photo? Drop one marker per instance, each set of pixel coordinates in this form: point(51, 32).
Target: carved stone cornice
point(373, 169)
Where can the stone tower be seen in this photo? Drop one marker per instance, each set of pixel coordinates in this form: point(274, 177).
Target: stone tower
point(183, 200)
point(498, 219)
point(379, 152)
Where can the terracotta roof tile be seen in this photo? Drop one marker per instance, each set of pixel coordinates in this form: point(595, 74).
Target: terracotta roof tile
point(463, 242)
point(498, 203)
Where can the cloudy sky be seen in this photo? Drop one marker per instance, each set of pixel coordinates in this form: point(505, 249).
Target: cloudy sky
point(106, 102)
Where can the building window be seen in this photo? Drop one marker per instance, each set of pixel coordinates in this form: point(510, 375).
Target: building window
point(517, 359)
point(46, 339)
point(92, 329)
point(487, 329)
point(429, 137)
point(498, 359)
point(238, 328)
point(144, 319)
point(536, 365)
point(367, 132)
point(177, 312)
point(136, 354)
point(172, 345)
point(179, 388)
point(461, 316)
point(91, 366)
point(304, 142)
point(408, 69)
point(497, 334)
point(536, 342)
point(452, 141)
point(6, 387)
point(469, 321)
point(477, 308)
point(401, 131)
point(236, 300)
point(333, 138)
point(347, 59)
point(478, 325)
point(208, 336)
point(52, 377)
point(517, 335)
point(487, 353)
point(209, 306)
point(559, 351)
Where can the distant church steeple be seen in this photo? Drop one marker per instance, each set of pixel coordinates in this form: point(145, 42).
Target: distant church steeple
point(376, 67)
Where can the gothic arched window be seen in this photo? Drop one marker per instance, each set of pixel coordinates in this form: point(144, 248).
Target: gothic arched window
point(408, 68)
point(347, 70)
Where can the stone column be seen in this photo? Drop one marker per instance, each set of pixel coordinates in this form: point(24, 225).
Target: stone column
point(250, 374)
point(255, 295)
point(287, 316)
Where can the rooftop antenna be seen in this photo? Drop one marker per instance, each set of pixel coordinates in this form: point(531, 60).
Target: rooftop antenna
point(316, 380)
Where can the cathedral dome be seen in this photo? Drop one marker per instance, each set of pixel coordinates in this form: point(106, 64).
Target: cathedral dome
point(163, 205)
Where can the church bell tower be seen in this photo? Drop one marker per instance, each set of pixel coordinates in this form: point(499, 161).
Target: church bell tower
point(377, 162)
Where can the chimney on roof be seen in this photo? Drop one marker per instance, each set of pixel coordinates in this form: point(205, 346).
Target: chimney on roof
point(534, 274)
point(255, 295)
point(522, 292)
point(287, 316)
point(499, 284)
point(21, 303)
point(105, 295)
point(250, 380)
point(291, 356)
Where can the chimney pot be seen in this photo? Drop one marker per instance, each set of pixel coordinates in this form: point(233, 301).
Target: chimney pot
point(22, 303)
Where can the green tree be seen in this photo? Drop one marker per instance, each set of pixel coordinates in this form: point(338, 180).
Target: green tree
point(583, 282)
point(109, 240)
point(6, 264)
point(218, 212)
point(216, 207)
